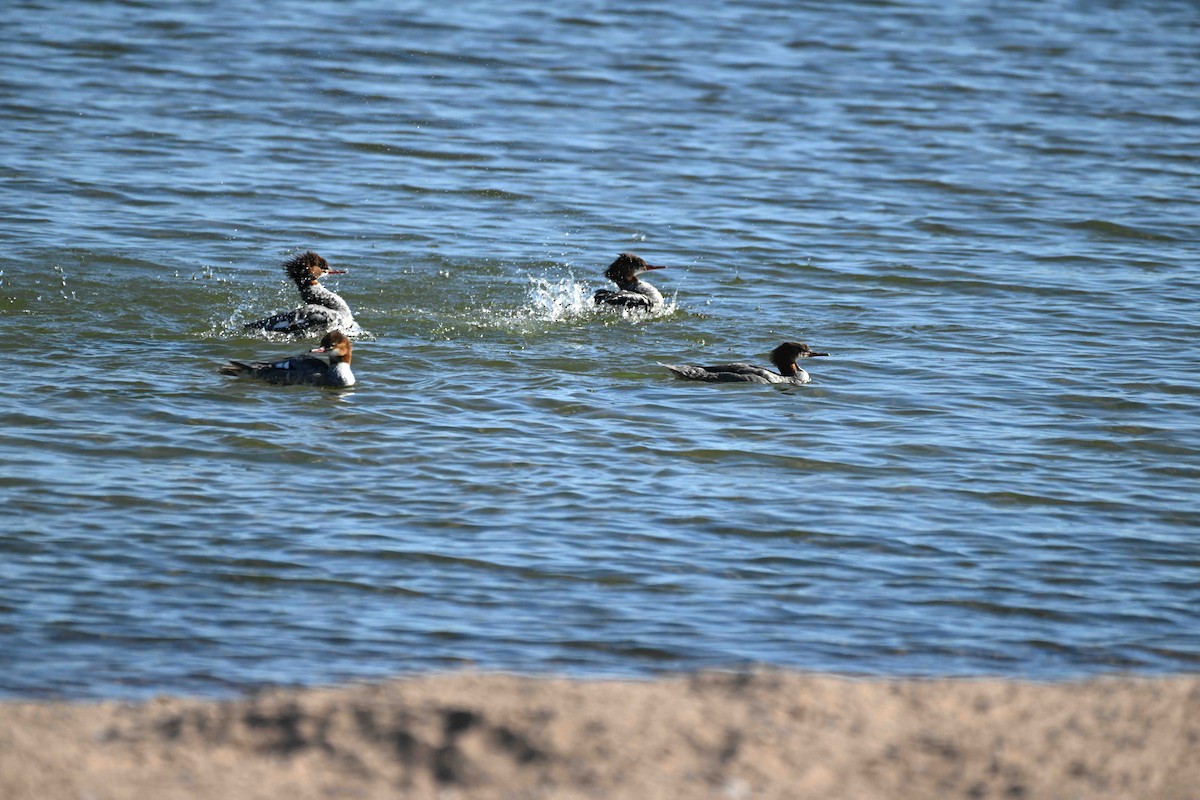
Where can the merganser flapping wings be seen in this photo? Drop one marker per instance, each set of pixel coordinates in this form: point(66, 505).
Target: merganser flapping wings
point(322, 311)
point(783, 357)
point(304, 368)
point(631, 292)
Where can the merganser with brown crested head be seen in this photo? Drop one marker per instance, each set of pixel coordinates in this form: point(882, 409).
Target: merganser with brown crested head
point(783, 357)
point(323, 310)
point(304, 368)
point(631, 292)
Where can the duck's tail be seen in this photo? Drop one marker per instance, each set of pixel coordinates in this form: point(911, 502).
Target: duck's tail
point(680, 372)
point(236, 368)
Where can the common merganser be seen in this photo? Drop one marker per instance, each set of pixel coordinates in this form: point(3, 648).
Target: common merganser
point(323, 310)
point(631, 292)
point(783, 357)
point(304, 368)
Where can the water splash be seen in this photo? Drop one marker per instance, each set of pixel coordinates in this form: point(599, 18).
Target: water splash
point(566, 300)
point(549, 302)
point(558, 300)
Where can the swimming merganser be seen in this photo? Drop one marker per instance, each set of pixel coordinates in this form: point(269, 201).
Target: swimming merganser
point(631, 292)
point(783, 357)
point(323, 310)
point(304, 368)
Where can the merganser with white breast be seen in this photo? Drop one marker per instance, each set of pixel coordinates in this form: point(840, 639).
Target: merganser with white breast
point(323, 310)
point(304, 368)
point(783, 357)
point(631, 292)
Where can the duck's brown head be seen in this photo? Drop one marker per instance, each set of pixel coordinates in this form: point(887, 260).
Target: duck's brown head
point(308, 268)
point(337, 345)
point(626, 268)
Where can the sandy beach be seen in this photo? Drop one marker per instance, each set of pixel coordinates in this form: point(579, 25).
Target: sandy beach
point(760, 735)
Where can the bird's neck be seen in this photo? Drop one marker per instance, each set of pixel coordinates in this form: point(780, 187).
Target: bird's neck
point(317, 294)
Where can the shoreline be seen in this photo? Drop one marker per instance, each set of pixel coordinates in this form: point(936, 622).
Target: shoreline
point(765, 734)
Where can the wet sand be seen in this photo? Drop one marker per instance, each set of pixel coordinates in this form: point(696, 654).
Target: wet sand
point(759, 735)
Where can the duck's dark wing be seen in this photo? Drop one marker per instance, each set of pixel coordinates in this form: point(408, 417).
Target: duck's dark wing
point(306, 320)
point(622, 299)
point(287, 372)
point(725, 373)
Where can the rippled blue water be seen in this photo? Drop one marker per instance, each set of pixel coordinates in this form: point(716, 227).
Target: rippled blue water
point(986, 213)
